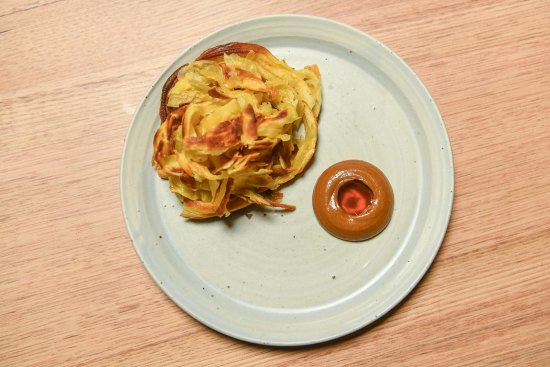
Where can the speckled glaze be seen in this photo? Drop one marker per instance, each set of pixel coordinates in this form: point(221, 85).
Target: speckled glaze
point(278, 278)
point(338, 222)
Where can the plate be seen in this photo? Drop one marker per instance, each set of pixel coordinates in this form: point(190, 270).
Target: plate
point(277, 277)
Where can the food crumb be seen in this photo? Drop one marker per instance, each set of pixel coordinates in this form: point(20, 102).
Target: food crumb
point(248, 215)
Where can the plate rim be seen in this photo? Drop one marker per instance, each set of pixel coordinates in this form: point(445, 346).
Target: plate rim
point(429, 260)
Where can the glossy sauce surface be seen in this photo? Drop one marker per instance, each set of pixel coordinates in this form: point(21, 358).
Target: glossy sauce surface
point(355, 197)
point(353, 200)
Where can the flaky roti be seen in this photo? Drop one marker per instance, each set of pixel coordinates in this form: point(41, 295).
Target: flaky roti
point(237, 123)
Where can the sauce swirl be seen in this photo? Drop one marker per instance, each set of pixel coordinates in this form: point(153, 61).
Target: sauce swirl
point(353, 200)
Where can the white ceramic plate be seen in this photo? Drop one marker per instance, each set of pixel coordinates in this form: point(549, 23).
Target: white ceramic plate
point(278, 278)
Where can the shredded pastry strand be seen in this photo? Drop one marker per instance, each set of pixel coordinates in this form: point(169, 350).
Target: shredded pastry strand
point(237, 123)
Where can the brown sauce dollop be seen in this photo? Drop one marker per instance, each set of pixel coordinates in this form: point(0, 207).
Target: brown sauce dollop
point(353, 200)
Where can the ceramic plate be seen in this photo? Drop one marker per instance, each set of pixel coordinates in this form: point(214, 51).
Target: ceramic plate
point(277, 277)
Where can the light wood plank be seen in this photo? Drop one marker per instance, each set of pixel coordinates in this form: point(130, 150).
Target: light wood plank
point(73, 291)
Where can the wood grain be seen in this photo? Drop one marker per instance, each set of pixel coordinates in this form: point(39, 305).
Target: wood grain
point(72, 290)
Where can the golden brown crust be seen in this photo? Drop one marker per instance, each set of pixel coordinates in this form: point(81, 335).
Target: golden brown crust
point(239, 48)
point(227, 139)
point(168, 84)
point(214, 53)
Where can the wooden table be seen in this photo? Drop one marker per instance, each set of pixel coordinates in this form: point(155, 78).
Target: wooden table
point(73, 291)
